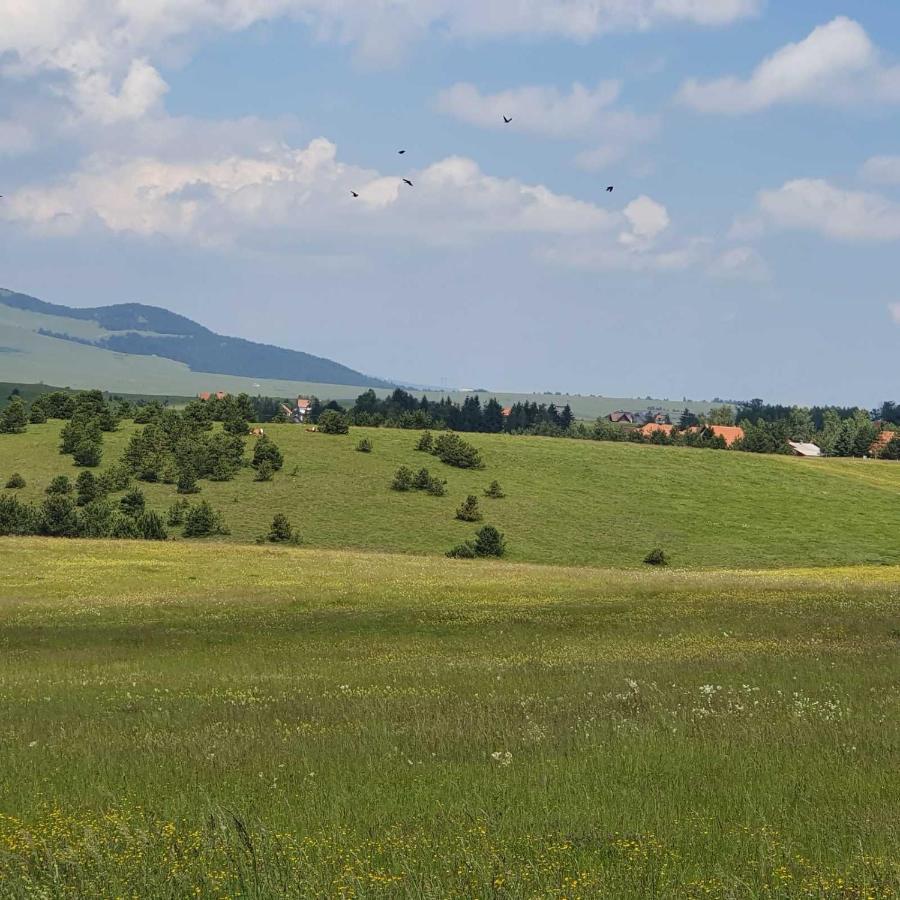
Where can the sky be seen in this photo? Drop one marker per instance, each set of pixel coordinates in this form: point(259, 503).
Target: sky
point(200, 155)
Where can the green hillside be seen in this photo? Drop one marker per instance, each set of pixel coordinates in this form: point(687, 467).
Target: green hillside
point(568, 502)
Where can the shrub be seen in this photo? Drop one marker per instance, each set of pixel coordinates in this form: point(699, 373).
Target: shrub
point(86, 486)
point(13, 419)
point(332, 422)
point(462, 551)
point(425, 442)
point(115, 478)
point(96, 519)
point(187, 481)
point(437, 487)
point(422, 480)
point(451, 449)
point(403, 479)
point(124, 528)
point(236, 425)
point(16, 517)
point(15, 482)
point(489, 542)
point(264, 471)
point(266, 451)
point(59, 485)
point(364, 446)
point(151, 527)
point(133, 503)
point(202, 520)
point(88, 453)
point(177, 512)
point(890, 451)
point(656, 557)
point(37, 415)
point(469, 511)
point(282, 532)
point(494, 491)
point(58, 517)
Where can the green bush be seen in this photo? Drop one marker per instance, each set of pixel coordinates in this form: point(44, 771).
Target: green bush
point(282, 532)
point(422, 480)
point(425, 442)
point(151, 527)
point(332, 422)
point(96, 519)
point(15, 482)
point(86, 487)
point(657, 557)
point(58, 517)
point(264, 471)
point(494, 491)
point(437, 487)
point(133, 503)
point(88, 453)
point(13, 419)
point(124, 528)
point(16, 517)
point(468, 511)
point(187, 481)
point(59, 485)
point(489, 542)
point(115, 478)
point(364, 446)
point(177, 512)
point(403, 479)
point(37, 415)
point(451, 449)
point(202, 521)
point(462, 551)
point(266, 451)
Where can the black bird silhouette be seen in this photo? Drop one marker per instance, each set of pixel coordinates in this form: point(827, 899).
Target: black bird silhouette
point(407, 181)
point(354, 193)
point(507, 119)
point(610, 189)
point(401, 152)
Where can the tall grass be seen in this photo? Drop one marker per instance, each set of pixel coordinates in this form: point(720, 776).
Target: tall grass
point(181, 721)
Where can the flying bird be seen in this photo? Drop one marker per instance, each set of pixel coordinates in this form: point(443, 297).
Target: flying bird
point(610, 189)
point(354, 193)
point(407, 181)
point(507, 119)
point(401, 152)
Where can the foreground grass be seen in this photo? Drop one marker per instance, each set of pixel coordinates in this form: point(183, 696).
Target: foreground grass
point(568, 502)
point(265, 723)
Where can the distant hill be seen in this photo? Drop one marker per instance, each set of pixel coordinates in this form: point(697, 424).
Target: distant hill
point(148, 331)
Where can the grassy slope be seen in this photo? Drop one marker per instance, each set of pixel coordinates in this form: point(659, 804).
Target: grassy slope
point(723, 734)
point(568, 502)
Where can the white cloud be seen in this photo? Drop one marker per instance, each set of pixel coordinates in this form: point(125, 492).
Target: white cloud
point(836, 63)
point(740, 263)
point(15, 138)
point(882, 170)
point(220, 200)
point(647, 218)
point(894, 310)
point(816, 205)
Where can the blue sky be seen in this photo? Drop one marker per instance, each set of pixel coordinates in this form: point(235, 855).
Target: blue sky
point(199, 155)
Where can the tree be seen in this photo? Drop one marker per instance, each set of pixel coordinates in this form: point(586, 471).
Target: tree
point(687, 420)
point(86, 487)
point(264, 471)
point(489, 542)
point(151, 527)
point(13, 419)
point(58, 517)
point(451, 449)
point(187, 481)
point(59, 485)
point(133, 503)
point(177, 512)
point(364, 446)
point(403, 479)
point(17, 518)
point(15, 482)
point(266, 451)
point(720, 415)
point(236, 425)
point(282, 532)
point(96, 518)
point(425, 442)
point(492, 417)
point(566, 418)
point(37, 415)
point(494, 491)
point(202, 521)
point(333, 422)
point(468, 511)
point(890, 451)
point(88, 453)
point(657, 557)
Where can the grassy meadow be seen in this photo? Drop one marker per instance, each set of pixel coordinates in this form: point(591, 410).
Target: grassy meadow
point(261, 722)
point(568, 502)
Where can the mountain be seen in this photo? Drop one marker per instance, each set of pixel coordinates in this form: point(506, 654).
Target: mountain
point(151, 331)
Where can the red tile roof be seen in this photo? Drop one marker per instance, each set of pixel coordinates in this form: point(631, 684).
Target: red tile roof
point(506, 411)
point(650, 427)
point(731, 433)
point(302, 403)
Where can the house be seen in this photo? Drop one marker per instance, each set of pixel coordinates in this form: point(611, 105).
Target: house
point(204, 396)
point(299, 413)
point(648, 429)
point(729, 433)
point(221, 395)
point(620, 416)
point(506, 412)
point(883, 439)
point(802, 448)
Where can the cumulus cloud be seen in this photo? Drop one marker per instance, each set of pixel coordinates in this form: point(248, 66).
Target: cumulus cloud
point(816, 205)
point(836, 63)
point(220, 200)
point(894, 310)
point(882, 170)
point(740, 263)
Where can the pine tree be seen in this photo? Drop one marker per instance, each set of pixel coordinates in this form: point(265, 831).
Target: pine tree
point(13, 419)
point(468, 511)
point(86, 486)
